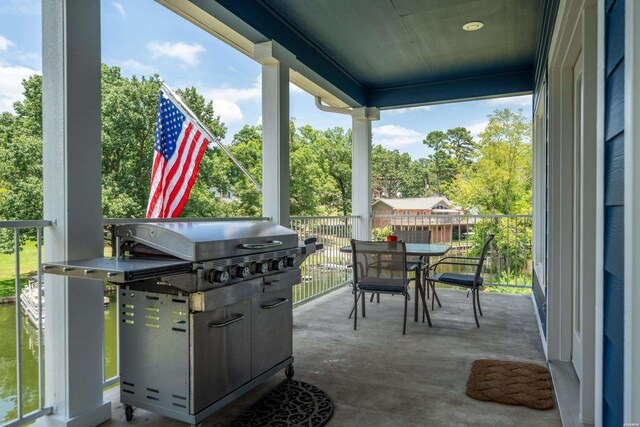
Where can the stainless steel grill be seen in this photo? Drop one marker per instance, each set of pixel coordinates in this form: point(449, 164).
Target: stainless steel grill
point(205, 310)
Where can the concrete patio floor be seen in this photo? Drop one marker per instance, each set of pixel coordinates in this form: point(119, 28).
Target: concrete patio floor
point(378, 377)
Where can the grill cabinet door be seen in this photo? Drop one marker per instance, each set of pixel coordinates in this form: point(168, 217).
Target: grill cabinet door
point(272, 324)
point(154, 350)
point(221, 352)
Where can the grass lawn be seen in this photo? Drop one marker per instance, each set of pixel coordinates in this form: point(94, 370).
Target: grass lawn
point(28, 267)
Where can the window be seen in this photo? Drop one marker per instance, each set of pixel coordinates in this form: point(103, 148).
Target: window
point(539, 248)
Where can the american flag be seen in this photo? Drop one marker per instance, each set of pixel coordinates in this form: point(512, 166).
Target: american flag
point(179, 147)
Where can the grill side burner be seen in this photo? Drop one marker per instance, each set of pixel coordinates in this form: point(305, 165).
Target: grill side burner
point(205, 310)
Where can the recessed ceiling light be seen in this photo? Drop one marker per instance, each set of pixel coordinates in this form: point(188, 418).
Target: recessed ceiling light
point(473, 26)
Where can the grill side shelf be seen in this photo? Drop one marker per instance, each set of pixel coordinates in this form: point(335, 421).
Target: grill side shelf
point(117, 270)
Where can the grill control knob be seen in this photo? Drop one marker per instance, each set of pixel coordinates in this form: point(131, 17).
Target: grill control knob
point(277, 264)
point(220, 276)
point(262, 268)
point(292, 262)
point(242, 272)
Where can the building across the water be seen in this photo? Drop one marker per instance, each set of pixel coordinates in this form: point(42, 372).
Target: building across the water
point(420, 213)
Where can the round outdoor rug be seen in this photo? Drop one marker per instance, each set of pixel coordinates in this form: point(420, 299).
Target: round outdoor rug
point(292, 403)
point(513, 383)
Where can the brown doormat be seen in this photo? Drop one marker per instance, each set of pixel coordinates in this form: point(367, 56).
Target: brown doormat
point(513, 383)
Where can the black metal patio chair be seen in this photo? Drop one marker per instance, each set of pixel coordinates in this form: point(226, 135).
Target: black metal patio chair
point(380, 267)
point(413, 262)
point(469, 281)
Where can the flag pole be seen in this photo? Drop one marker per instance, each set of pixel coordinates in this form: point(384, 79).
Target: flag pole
point(179, 100)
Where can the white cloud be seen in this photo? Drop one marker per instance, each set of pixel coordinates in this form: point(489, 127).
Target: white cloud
point(511, 101)
point(410, 109)
point(394, 136)
point(11, 85)
point(119, 7)
point(229, 111)
point(20, 7)
point(135, 67)
point(234, 94)
point(477, 128)
point(5, 43)
point(259, 121)
point(184, 52)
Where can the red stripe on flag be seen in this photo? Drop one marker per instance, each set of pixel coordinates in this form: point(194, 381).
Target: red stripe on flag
point(179, 160)
point(188, 160)
point(158, 170)
point(192, 180)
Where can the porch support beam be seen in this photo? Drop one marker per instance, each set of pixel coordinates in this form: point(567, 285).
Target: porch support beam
point(361, 170)
point(72, 198)
point(466, 89)
point(275, 131)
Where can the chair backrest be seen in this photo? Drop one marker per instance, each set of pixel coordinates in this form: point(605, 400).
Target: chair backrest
point(483, 255)
point(379, 263)
point(413, 236)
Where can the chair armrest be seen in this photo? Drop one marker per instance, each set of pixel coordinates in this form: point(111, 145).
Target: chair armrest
point(459, 257)
point(435, 266)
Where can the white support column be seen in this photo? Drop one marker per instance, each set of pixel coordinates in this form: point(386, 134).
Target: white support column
point(275, 131)
point(361, 170)
point(72, 198)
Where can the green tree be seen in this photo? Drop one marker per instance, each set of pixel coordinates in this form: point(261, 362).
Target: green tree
point(396, 175)
point(461, 146)
point(440, 162)
point(333, 154)
point(500, 180)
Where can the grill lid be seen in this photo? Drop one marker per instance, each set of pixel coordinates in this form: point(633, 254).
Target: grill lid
point(202, 241)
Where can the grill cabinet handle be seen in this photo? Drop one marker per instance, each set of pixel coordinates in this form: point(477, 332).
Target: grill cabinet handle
point(270, 244)
point(227, 322)
point(275, 304)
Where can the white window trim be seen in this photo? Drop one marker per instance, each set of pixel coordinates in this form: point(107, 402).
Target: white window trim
point(631, 212)
point(568, 40)
point(540, 188)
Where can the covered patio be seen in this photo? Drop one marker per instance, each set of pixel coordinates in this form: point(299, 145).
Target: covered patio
point(378, 377)
point(360, 58)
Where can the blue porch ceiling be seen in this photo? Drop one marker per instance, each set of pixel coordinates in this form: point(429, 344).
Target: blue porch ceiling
point(391, 53)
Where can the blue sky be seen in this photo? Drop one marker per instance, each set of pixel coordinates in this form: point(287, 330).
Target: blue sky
point(142, 37)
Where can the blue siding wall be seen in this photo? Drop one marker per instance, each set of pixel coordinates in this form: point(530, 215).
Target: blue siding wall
point(613, 342)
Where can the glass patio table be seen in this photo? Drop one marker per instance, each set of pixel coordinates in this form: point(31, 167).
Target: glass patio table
point(423, 251)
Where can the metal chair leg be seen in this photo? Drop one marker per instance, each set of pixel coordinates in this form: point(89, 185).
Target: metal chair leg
point(372, 295)
point(355, 310)
point(475, 314)
point(378, 297)
point(426, 285)
point(478, 298)
point(364, 313)
point(425, 310)
point(406, 300)
point(435, 295)
point(356, 302)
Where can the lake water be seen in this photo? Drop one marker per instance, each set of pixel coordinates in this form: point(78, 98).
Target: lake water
point(29, 337)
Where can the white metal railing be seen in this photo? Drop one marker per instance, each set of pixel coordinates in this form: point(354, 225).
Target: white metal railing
point(327, 269)
point(35, 409)
point(509, 260)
